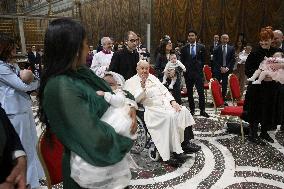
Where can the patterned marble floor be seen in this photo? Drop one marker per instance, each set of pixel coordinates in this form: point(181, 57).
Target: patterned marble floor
point(224, 162)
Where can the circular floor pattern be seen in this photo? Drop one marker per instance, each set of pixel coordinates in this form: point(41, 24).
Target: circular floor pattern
point(251, 185)
point(248, 154)
point(250, 166)
point(149, 169)
point(280, 138)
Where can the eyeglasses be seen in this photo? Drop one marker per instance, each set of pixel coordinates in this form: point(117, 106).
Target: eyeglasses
point(133, 40)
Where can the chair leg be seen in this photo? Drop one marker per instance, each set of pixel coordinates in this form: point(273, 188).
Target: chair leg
point(205, 96)
point(242, 131)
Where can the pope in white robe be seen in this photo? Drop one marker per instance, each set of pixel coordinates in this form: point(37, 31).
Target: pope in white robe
point(165, 119)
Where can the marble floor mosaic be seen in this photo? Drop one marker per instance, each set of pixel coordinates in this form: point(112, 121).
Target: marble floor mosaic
point(224, 162)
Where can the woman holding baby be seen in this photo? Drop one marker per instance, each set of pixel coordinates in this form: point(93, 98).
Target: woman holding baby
point(14, 85)
point(163, 57)
point(72, 110)
point(261, 100)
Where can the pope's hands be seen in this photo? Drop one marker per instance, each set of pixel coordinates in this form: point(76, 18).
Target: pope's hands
point(143, 81)
point(176, 106)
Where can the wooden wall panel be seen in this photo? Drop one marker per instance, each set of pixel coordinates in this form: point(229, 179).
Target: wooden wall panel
point(115, 17)
point(34, 31)
point(174, 17)
point(209, 17)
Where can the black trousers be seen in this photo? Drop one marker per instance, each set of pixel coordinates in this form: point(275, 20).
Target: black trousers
point(196, 79)
point(176, 91)
point(188, 134)
point(224, 78)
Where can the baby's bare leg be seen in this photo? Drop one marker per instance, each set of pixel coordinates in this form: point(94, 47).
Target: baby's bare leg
point(173, 81)
point(255, 75)
point(261, 76)
point(165, 78)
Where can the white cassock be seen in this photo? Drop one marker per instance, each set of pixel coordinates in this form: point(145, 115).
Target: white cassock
point(165, 125)
point(100, 63)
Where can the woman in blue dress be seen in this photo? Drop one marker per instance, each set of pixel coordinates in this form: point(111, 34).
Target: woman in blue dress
point(17, 104)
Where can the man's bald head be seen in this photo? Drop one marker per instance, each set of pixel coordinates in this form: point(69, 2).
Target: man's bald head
point(278, 38)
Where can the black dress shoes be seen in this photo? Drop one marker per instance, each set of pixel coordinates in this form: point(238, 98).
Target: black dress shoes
point(266, 137)
point(256, 140)
point(190, 148)
point(204, 114)
point(173, 163)
point(180, 157)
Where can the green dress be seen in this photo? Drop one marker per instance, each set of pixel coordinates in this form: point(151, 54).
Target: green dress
point(73, 110)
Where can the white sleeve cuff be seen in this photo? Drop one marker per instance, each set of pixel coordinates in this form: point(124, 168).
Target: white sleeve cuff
point(107, 96)
point(18, 153)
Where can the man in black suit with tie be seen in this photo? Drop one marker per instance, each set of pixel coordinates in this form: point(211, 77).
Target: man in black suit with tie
point(212, 47)
point(12, 156)
point(223, 62)
point(193, 58)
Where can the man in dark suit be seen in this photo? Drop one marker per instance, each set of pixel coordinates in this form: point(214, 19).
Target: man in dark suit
point(223, 62)
point(278, 40)
point(12, 156)
point(212, 47)
point(279, 43)
point(125, 61)
point(35, 61)
point(193, 57)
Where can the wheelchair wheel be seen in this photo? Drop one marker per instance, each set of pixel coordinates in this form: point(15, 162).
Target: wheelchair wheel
point(153, 153)
point(141, 140)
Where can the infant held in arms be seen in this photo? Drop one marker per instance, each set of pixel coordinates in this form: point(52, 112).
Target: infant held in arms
point(265, 69)
point(117, 114)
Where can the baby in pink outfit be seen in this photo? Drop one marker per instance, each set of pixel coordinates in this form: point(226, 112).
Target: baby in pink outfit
point(265, 69)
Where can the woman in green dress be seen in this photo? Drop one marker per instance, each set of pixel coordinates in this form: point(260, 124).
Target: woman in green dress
point(70, 107)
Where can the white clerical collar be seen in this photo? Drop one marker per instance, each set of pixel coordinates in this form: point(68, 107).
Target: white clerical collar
point(194, 44)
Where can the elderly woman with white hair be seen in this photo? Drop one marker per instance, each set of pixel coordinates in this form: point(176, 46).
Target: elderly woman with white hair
point(102, 59)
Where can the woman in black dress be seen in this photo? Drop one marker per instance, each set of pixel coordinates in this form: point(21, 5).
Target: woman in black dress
point(261, 100)
point(162, 59)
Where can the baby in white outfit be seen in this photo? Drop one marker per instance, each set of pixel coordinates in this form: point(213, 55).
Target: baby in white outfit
point(170, 70)
point(117, 114)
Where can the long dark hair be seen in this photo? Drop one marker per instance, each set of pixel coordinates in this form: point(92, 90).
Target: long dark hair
point(63, 43)
point(7, 44)
point(163, 45)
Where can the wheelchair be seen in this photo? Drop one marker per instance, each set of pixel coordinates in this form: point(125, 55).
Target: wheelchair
point(144, 140)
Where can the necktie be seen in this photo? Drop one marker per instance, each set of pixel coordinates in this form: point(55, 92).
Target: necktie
point(192, 51)
point(224, 55)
